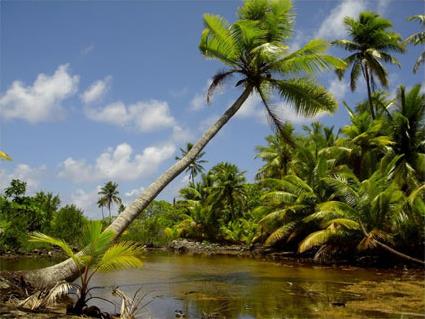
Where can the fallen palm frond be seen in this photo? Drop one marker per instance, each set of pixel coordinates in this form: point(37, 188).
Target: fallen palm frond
point(131, 307)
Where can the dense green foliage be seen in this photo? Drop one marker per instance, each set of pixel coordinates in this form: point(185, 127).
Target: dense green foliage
point(21, 214)
point(320, 192)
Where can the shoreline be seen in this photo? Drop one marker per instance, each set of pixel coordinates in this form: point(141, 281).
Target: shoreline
point(194, 248)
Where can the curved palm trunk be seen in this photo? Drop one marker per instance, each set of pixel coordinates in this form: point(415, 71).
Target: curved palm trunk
point(392, 250)
point(67, 270)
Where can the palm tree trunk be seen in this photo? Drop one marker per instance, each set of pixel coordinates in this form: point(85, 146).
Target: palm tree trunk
point(103, 215)
point(67, 270)
point(369, 92)
point(392, 250)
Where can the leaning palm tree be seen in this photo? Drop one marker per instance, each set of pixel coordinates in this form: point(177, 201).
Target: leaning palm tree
point(253, 48)
point(195, 167)
point(109, 195)
point(371, 43)
point(418, 38)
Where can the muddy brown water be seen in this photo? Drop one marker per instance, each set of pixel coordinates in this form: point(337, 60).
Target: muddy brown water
point(231, 287)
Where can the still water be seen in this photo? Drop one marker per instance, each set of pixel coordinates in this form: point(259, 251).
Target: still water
point(229, 287)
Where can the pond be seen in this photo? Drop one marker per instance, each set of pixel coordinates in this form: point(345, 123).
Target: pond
point(230, 287)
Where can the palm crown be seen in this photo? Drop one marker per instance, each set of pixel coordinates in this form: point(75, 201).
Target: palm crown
point(371, 42)
point(253, 49)
point(109, 195)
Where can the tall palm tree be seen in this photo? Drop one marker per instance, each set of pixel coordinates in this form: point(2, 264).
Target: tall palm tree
point(109, 195)
point(254, 49)
point(418, 38)
point(195, 167)
point(371, 43)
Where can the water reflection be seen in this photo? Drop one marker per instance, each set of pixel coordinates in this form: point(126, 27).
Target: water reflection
point(220, 287)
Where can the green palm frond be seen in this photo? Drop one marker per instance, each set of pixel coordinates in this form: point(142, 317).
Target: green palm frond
point(122, 255)
point(4, 156)
point(305, 96)
point(219, 36)
point(310, 58)
point(419, 61)
point(280, 234)
point(346, 223)
point(316, 238)
point(45, 239)
point(278, 197)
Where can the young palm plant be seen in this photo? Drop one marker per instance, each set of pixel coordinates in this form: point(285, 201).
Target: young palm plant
point(254, 49)
point(100, 254)
point(371, 43)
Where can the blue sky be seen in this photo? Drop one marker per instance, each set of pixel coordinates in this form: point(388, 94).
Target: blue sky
point(109, 90)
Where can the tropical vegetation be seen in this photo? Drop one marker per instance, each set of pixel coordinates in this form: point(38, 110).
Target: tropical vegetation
point(321, 192)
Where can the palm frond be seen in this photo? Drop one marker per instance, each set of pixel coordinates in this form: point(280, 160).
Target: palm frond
point(280, 234)
point(316, 238)
point(217, 80)
point(4, 156)
point(122, 255)
point(42, 238)
point(305, 96)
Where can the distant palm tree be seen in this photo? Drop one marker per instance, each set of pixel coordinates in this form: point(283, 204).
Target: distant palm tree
point(109, 195)
point(228, 187)
point(195, 167)
point(418, 38)
point(371, 43)
point(101, 203)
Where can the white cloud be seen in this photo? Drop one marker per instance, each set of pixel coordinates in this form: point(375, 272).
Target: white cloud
point(298, 39)
point(134, 192)
point(118, 164)
point(332, 26)
point(87, 201)
point(41, 100)
point(382, 6)
point(26, 173)
point(146, 116)
point(197, 102)
point(252, 108)
point(86, 50)
point(338, 88)
point(181, 134)
point(97, 90)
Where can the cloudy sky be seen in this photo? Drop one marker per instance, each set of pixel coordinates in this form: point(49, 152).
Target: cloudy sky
point(109, 90)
